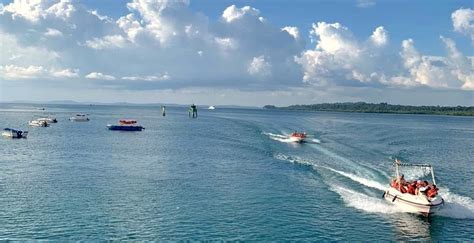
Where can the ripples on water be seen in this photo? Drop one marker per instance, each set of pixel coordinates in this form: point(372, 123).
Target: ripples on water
point(228, 175)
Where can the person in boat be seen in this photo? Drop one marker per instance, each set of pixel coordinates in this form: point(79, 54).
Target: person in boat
point(432, 191)
point(411, 188)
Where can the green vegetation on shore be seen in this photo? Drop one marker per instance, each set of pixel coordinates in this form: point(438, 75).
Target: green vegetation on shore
point(381, 108)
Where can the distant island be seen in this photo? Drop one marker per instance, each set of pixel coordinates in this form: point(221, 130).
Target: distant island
point(381, 108)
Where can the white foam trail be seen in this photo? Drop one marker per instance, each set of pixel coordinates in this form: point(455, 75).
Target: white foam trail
point(358, 179)
point(315, 140)
point(364, 202)
point(278, 137)
point(292, 159)
point(456, 206)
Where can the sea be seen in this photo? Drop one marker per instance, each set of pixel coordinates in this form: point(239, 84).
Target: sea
point(230, 174)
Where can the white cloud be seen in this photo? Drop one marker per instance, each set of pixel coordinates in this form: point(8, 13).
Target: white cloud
point(463, 21)
point(148, 78)
point(233, 13)
point(53, 33)
point(293, 31)
point(107, 42)
point(259, 67)
point(339, 59)
point(380, 36)
point(65, 73)
point(101, 76)
point(157, 37)
point(12, 72)
point(33, 11)
point(226, 43)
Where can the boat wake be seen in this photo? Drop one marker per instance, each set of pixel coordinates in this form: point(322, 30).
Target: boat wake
point(456, 206)
point(286, 139)
point(363, 201)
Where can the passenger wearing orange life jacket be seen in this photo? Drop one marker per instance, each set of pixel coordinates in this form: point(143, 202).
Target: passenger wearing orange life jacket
point(432, 191)
point(411, 188)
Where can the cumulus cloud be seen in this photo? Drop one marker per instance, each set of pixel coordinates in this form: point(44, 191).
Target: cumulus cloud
point(109, 41)
point(380, 36)
point(259, 67)
point(53, 33)
point(293, 31)
point(162, 44)
point(101, 76)
point(13, 72)
point(65, 73)
point(233, 13)
point(463, 21)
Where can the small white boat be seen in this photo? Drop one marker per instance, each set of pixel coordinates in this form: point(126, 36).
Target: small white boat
point(79, 118)
point(298, 137)
point(38, 123)
point(48, 119)
point(211, 107)
point(13, 133)
point(420, 197)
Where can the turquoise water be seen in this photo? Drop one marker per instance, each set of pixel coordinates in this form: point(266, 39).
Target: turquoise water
point(228, 175)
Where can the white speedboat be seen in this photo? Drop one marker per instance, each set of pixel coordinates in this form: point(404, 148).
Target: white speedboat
point(297, 137)
point(211, 107)
point(13, 133)
point(38, 123)
point(420, 197)
point(48, 119)
point(79, 118)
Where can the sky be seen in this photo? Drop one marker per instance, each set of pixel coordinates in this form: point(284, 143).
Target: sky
point(238, 52)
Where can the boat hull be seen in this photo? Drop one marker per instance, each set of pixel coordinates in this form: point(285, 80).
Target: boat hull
point(79, 119)
point(125, 128)
point(15, 134)
point(38, 124)
point(412, 203)
point(297, 139)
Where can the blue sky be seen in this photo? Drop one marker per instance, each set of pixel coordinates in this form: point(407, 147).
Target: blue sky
point(238, 52)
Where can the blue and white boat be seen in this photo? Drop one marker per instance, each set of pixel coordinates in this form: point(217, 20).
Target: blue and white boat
point(13, 133)
point(126, 125)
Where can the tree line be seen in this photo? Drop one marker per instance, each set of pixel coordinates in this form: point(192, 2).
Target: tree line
point(381, 108)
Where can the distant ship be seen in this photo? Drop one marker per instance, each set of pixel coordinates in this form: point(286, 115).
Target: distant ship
point(211, 107)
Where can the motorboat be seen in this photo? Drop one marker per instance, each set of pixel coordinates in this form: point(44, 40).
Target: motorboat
point(417, 196)
point(211, 107)
point(13, 133)
point(126, 125)
point(48, 119)
point(38, 123)
point(298, 137)
point(79, 118)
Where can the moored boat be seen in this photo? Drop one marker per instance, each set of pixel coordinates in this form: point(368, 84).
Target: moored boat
point(38, 123)
point(13, 133)
point(48, 119)
point(125, 125)
point(79, 118)
point(417, 196)
point(298, 137)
